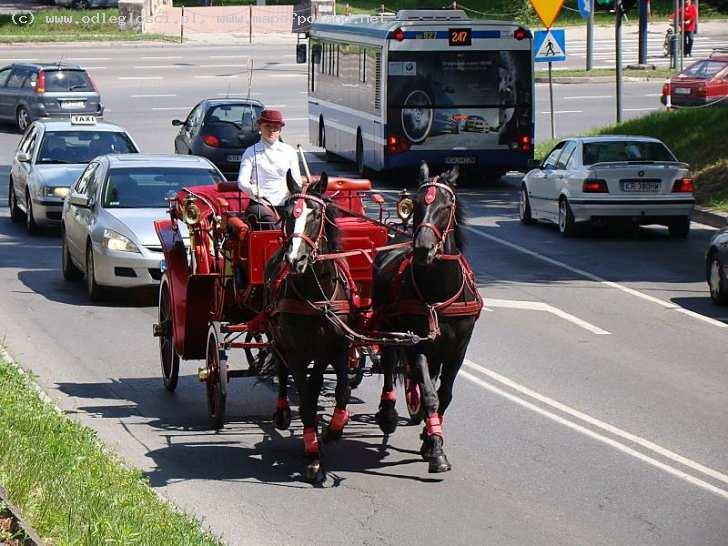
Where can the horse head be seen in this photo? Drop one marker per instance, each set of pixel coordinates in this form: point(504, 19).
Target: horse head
point(305, 223)
point(435, 218)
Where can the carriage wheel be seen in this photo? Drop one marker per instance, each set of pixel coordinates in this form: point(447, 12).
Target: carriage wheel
point(412, 395)
point(167, 355)
point(257, 358)
point(216, 379)
point(356, 374)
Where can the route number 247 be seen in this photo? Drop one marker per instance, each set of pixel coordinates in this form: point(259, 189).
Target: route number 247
point(459, 36)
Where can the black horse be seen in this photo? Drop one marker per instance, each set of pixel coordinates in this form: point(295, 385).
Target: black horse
point(304, 293)
point(429, 290)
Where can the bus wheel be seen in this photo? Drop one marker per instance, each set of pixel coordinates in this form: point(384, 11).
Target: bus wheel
point(360, 167)
point(322, 140)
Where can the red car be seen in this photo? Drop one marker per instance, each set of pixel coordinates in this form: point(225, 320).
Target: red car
point(703, 82)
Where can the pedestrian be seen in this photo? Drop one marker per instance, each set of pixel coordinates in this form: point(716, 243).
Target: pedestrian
point(263, 170)
point(688, 16)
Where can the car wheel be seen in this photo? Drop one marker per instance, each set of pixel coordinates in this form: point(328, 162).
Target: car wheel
point(70, 271)
point(22, 119)
point(717, 282)
point(30, 224)
point(524, 208)
point(567, 225)
point(680, 227)
point(16, 215)
point(95, 292)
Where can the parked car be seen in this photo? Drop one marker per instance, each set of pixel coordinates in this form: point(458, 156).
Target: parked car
point(108, 217)
point(609, 178)
point(220, 130)
point(703, 82)
point(50, 157)
point(34, 91)
point(716, 267)
point(476, 124)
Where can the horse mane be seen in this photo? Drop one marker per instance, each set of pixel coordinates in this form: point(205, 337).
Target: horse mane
point(331, 228)
point(461, 219)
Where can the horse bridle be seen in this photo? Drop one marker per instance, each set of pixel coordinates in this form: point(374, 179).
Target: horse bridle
point(430, 194)
point(299, 199)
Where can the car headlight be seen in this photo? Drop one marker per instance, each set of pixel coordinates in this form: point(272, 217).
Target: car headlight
point(59, 192)
point(116, 241)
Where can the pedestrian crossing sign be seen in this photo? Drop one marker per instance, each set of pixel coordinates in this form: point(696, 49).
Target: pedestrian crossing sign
point(549, 45)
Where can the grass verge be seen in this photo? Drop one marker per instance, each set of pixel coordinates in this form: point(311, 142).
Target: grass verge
point(59, 25)
point(695, 135)
point(68, 487)
point(661, 73)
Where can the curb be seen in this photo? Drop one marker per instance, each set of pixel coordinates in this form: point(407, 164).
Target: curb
point(598, 79)
point(27, 529)
point(710, 217)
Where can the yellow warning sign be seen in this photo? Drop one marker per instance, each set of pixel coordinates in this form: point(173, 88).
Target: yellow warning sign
point(547, 10)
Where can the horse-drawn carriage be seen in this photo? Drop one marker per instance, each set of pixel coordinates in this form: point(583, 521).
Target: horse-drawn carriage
point(296, 299)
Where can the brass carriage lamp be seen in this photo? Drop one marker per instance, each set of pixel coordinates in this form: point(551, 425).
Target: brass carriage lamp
point(405, 207)
point(191, 212)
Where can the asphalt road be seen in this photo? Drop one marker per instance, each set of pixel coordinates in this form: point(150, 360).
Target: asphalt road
point(590, 411)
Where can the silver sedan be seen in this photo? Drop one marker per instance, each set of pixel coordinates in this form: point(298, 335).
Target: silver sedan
point(108, 217)
point(49, 158)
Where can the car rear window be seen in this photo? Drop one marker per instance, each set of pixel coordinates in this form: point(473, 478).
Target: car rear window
point(82, 146)
point(630, 150)
point(149, 187)
point(704, 69)
point(243, 116)
point(58, 81)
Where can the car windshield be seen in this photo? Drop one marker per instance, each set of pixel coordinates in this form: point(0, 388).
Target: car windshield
point(704, 69)
point(82, 146)
point(149, 187)
point(627, 150)
point(244, 116)
point(59, 81)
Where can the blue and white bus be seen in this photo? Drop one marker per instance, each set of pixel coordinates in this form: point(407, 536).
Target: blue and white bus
point(389, 91)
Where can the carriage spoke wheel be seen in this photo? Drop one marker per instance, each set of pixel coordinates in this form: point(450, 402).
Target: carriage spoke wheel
point(167, 354)
point(412, 395)
point(216, 379)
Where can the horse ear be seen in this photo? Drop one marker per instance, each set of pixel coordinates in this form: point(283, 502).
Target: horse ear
point(424, 172)
point(453, 175)
point(319, 187)
point(293, 186)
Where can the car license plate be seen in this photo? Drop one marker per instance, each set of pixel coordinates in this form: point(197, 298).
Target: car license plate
point(460, 160)
point(682, 90)
point(234, 158)
point(70, 105)
point(641, 186)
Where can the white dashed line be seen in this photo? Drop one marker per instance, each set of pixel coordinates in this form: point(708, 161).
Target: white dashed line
point(161, 58)
point(590, 97)
point(150, 96)
point(140, 77)
point(541, 306)
point(563, 112)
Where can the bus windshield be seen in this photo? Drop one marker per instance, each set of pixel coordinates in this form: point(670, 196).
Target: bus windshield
point(447, 79)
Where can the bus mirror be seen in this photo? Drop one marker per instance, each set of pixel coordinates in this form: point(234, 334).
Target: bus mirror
point(301, 53)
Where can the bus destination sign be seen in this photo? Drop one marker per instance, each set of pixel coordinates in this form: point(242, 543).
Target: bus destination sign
point(459, 36)
point(427, 35)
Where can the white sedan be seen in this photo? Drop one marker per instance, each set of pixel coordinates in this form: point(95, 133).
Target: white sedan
point(609, 178)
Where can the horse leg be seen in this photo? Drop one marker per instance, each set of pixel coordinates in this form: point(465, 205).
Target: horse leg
point(340, 417)
point(282, 415)
point(432, 440)
point(314, 472)
point(387, 416)
point(450, 369)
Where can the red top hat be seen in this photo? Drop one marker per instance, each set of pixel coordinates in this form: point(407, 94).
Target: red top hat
point(272, 116)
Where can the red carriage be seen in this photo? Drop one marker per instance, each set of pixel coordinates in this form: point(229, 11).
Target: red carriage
point(211, 296)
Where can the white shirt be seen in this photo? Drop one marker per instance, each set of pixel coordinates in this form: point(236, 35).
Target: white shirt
point(263, 170)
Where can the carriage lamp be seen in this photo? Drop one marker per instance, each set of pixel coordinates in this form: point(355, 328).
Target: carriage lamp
point(405, 206)
point(59, 192)
point(116, 241)
point(191, 212)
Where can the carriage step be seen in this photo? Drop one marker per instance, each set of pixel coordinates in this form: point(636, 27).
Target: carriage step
point(156, 329)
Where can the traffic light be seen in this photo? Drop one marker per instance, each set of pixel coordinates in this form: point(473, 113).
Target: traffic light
point(603, 5)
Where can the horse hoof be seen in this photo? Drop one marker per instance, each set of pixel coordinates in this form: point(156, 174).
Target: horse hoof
point(314, 473)
point(439, 464)
point(387, 418)
point(282, 418)
point(426, 449)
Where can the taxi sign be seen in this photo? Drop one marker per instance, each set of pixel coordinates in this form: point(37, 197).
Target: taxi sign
point(547, 10)
point(79, 119)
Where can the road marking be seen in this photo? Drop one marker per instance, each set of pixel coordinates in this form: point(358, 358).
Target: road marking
point(227, 57)
point(89, 59)
point(563, 112)
point(541, 306)
point(295, 75)
point(139, 77)
point(145, 66)
point(598, 423)
point(237, 65)
point(93, 67)
point(596, 278)
point(207, 77)
point(596, 436)
point(149, 96)
point(297, 119)
point(653, 95)
point(161, 57)
point(173, 108)
point(591, 97)
point(638, 109)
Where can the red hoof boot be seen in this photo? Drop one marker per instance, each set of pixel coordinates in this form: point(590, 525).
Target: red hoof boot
point(387, 417)
point(336, 426)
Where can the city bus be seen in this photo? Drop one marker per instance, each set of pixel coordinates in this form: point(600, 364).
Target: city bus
point(387, 92)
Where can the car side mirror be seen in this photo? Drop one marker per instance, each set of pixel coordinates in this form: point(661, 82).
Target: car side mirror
point(300, 53)
point(80, 200)
point(177, 122)
point(23, 157)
